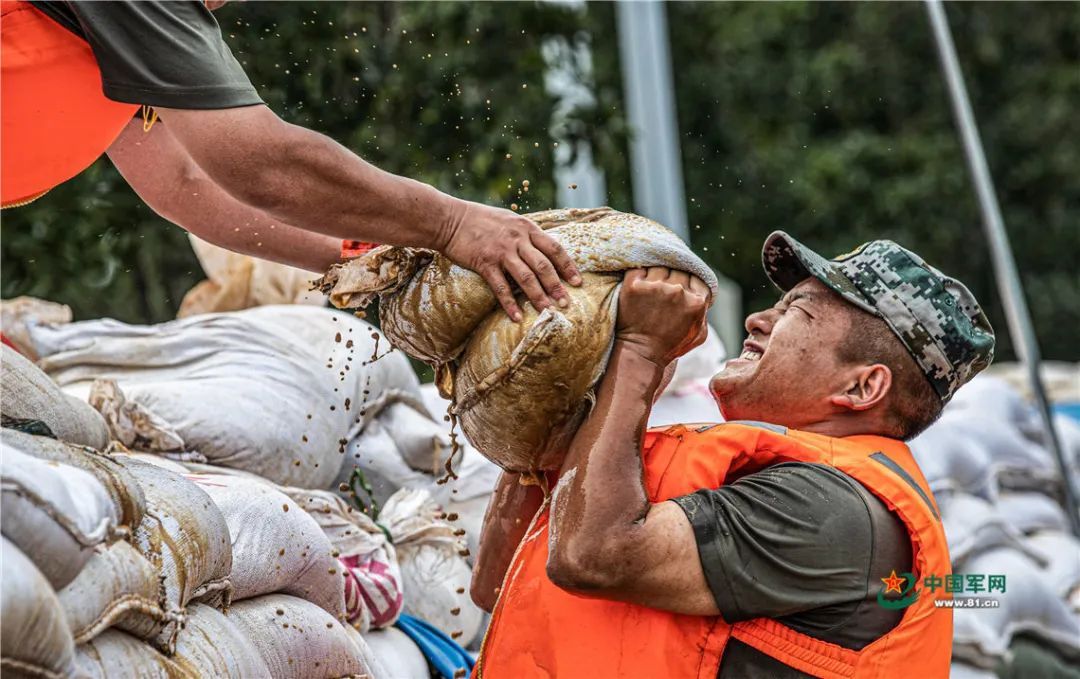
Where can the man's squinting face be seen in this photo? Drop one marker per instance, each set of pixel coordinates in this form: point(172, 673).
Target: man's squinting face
point(789, 366)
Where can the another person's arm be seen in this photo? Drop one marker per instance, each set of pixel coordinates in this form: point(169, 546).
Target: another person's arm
point(508, 516)
point(158, 168)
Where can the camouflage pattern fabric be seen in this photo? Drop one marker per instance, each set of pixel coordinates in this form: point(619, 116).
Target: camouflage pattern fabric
point(935, 316)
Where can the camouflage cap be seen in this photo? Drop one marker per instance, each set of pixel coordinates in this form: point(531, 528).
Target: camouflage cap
point(935, 316)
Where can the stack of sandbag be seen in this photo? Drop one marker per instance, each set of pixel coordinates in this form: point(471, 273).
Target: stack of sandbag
point(19, 314)
point(28, 394)
point(434, 572)
point(279, 391)
point(999, 492)
point(538, 374)
point(235, 281)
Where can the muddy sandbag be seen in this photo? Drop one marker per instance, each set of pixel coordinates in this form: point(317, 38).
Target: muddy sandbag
point(376, 670)
point(398, 653)
point(296, 639)
point(54, 513)
point(19, 314)
point(276, 545)
point(373, 582)
point(115, 654)
point(121, 486)
point(547, 365)
point(432, 554)
point(201, 385)
point(117, 587)
point(34, 637)
point(186, 539)
point(27, 393)
point(235, 281)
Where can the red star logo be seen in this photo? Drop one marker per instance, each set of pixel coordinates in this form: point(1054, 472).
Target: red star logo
point(893, 583)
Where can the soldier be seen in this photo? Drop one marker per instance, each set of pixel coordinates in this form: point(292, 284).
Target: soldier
point(758, 547)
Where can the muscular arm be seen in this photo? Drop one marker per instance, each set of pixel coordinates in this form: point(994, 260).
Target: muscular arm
point(306, 179)
point(174, 186)
point(607, 539)
point(509, 513)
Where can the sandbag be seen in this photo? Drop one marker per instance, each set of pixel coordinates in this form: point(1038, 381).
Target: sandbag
point(959, 670)
point(1030, 512)
point(34, 637)
point(990, 397)
point(117, 587)
point(373, 582)
point(422, 442)
point(381, 462)
point(236, 281)
point(951, 462)
point(115, 654)
point(296, 639)
point(54, 513)
point(206, 379)
point(19, 314)
point(185, 538)
point(973, 526)
point(276, 545)
point(27, 393)
point(539, 374)
point(433, 567)
point(1060, 551)
point(981, 636)
point(376, 670)
point(126, 494)
point(1017, 463)
point(398, 653)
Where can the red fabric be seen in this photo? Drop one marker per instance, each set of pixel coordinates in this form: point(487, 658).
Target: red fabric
point(5, 340)
point(55, 121)
point(351, 249)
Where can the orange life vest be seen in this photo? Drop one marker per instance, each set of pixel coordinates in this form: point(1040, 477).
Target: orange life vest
point(54, 119)
point(539, 630)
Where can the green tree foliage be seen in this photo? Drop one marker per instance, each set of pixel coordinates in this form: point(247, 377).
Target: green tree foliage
point(831, 121)
point(828, 120)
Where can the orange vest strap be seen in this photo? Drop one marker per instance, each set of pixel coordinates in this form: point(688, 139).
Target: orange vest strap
point(806, 654)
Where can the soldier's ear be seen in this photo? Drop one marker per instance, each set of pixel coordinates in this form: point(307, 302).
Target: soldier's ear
point(864, 387)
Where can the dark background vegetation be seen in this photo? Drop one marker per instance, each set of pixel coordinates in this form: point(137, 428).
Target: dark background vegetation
point(828, 120)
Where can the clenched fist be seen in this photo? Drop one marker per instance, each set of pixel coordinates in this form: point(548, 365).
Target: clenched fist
point(662, 313)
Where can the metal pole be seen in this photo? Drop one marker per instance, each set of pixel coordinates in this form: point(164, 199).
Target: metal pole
point(1008, 279)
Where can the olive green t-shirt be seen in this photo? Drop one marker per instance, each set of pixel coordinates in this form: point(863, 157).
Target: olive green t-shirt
point(801, 543)
point(167, 54)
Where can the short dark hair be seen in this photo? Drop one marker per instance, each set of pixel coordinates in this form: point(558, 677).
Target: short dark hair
point(912, 404)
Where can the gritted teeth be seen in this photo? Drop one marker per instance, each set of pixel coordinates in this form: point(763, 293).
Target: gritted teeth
point(750, 355)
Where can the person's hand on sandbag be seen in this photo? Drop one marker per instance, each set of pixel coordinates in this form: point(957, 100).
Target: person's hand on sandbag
point(494, 242)
point(662, 313)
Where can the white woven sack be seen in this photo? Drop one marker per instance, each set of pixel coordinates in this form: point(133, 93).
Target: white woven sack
point(202, 385)
point(1029, 511)
point(185, 537)
point(1061, 553)
point(28, 393)
point(276, 545)
point(117, 587)
point(56, 514)
point(213, 645)
point(376, 670)
point(433, 567)
point(973, 525)
point(114, 654)
point(381, 462)
point(399, 654)
point(1029, 605)
point(952, 462)
point(34, 637)
point(296, 638)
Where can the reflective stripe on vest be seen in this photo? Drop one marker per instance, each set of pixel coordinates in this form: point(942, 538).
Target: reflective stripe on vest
point(54, 119)
point(539, 630)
